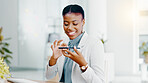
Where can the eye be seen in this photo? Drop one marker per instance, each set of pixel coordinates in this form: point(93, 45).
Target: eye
point(66, 24)
point(75, 24)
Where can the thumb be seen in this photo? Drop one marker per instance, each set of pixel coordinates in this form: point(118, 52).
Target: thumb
point(79, 53)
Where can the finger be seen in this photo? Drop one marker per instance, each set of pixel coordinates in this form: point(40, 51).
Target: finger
point(79, 53)
point(70, 52)
point(59, 42)
point(55, 43)
point(64, 44)
point(52, 47)
point(65, 54)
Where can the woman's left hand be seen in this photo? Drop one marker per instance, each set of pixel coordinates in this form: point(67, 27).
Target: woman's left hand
point(77, 57)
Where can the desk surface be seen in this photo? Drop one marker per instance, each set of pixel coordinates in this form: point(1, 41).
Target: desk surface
point(16, 80)
point(47, 82)
point(40, 82)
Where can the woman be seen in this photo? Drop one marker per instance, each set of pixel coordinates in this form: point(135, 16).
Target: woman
point(84, 65)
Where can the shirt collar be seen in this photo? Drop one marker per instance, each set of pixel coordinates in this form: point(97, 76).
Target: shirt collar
point(76, 41)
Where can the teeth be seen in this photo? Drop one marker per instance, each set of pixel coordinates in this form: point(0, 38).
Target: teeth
point(71, 33)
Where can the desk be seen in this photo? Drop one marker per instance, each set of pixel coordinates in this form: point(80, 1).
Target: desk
point(39, 82)
point(18, 80)
point(47, 82)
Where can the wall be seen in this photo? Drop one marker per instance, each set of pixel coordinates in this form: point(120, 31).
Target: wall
point(97, 18)
point(120, 34)
point(32, 27)
point(8, 20)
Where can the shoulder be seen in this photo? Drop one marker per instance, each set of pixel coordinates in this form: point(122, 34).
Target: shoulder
point(90, 39)
point(94, 40)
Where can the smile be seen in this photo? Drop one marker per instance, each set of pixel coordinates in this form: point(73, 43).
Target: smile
point(71, 33)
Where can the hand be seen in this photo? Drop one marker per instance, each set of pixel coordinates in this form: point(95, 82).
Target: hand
point(56, 52)
point(77, 57)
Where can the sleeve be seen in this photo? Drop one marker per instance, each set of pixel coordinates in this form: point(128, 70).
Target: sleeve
point(51, 71)
point(95, 70)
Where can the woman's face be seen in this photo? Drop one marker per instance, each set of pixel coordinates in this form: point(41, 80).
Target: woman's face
point(73, 24)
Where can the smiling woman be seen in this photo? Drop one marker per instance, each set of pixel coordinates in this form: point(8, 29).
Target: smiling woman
point(73, 24)
point(73, 21)
point(76, 65)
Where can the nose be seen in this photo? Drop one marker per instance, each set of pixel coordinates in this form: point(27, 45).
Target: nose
point(70, 26)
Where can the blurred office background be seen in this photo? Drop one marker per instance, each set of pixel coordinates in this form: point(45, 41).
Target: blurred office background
point(32, 26)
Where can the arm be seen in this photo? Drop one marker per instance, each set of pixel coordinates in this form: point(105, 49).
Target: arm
point(51, 69)
point(95, 72)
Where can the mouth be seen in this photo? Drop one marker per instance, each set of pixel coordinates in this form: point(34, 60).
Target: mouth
point(71, 33)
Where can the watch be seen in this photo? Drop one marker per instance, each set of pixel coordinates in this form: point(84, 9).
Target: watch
point(83, 68)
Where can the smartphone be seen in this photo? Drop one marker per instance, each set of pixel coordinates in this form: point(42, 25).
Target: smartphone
point(68, 47)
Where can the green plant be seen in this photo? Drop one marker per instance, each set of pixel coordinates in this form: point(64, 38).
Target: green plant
point(5, 53)
point(4, 70)
point(144, 48)
point(103, 41)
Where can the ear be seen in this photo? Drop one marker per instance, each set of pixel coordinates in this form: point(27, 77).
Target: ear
point(83, 22)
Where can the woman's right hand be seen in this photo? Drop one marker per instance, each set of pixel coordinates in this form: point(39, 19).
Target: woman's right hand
point(56, 52)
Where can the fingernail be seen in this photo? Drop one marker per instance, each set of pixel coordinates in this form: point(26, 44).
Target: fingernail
point(74, 47)
point(64, 49)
